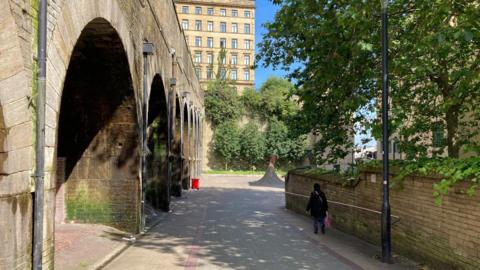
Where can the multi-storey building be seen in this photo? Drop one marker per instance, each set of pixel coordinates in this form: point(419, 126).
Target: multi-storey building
point(213, 26)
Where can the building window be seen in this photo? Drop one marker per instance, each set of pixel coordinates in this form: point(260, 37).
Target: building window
point(246, 13)
point(396, 147)
point(233, 61)
point(198, 41)
point(247, 44)
point(222, 73)
point(234, 13)
point(223, 27)
point(234, 28)
point(234, 75)
point(224, 60)
point(185, 24)
point(246, 28)
point(246, 75)
point(234, 43)
point(223, 42)
point(209, 73)
point(185, 9)
point(223, 12)
point(210, 11)
point(198, 10)
point(198, 72)
point(210, 42)
point(198, 57)
point(438, 135)
point(210, 58)
point(210, 26)
point(246, 59)
point(198, 25)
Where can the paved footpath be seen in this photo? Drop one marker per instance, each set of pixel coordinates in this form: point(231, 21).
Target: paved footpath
point(228, 224)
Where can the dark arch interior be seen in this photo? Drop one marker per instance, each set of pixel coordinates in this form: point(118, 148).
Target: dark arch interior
point(97, 83)
point(193, 139)
point(98, 134)
point(158, 183)
point(186, 151)
point(176, 149)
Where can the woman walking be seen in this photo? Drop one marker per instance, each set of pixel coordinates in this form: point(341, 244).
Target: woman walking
point(318, 207)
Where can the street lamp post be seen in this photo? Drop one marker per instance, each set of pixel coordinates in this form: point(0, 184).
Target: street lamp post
point(386, 218)
point(147, 50)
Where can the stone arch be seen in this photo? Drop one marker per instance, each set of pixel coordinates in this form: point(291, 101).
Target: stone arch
point(158, 182)
point(192, 141)
point(97, 145)
point(186, 146)
point(74, 17)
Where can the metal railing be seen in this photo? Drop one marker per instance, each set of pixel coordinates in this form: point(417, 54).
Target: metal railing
point(347, 205)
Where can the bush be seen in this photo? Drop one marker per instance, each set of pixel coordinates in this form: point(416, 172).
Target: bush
point(226, 142)
point(252, 144)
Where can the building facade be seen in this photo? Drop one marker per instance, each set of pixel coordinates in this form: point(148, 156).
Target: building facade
point(221, 38)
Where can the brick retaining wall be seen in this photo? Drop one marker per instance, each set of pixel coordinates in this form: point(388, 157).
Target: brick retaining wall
point(445, 237)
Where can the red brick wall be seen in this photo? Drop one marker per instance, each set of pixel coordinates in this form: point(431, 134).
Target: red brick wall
point(445, 237)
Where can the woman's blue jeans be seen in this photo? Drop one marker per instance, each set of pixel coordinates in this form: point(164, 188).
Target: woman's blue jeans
point(318, 221)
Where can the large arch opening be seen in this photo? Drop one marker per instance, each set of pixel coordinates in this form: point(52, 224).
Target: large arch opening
point(176, 151)
point(186, 150)
point(158, 183)
point(97, 146)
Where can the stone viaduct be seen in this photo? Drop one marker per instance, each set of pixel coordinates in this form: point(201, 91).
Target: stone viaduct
point(119, 122)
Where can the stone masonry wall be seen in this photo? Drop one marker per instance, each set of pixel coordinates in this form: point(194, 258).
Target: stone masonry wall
point(135, 22)
point(445, 237)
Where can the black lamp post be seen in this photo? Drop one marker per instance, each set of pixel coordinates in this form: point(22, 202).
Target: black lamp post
point(386, 218)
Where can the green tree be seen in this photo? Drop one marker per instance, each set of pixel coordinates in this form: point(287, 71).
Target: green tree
point(332, 50)
point(226, 142)
point(276, 98)
point(252, 100)
point(277, 139)
point(222, 102)
point(252, 143)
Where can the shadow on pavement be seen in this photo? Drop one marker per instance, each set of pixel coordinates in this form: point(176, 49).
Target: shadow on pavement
point(239, 228)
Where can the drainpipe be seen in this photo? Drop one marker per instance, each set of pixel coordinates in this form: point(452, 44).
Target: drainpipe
point(147, 50)
point(40, 138)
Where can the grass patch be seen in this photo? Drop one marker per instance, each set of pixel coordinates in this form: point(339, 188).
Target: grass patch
point(243, 172)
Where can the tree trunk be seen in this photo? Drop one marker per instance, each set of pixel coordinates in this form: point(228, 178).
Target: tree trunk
point(270, 178)
point(452, 129)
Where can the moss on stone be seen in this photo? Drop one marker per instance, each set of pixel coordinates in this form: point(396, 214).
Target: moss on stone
point(89, 209)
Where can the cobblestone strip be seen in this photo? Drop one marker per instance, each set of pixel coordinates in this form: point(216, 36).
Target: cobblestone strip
point(194, 249)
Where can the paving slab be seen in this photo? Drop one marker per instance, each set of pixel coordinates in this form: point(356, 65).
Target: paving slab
point(80, 246)
point(90, 246)
point(228, 224)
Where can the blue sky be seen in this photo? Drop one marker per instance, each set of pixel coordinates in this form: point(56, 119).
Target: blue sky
point(265, 12)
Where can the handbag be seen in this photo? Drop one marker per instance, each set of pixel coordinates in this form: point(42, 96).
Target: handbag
point(328, 222)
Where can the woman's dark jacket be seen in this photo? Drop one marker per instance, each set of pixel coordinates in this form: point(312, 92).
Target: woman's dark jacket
point(317, 204)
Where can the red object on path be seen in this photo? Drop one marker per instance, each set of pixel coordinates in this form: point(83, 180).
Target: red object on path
point(195, 183)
